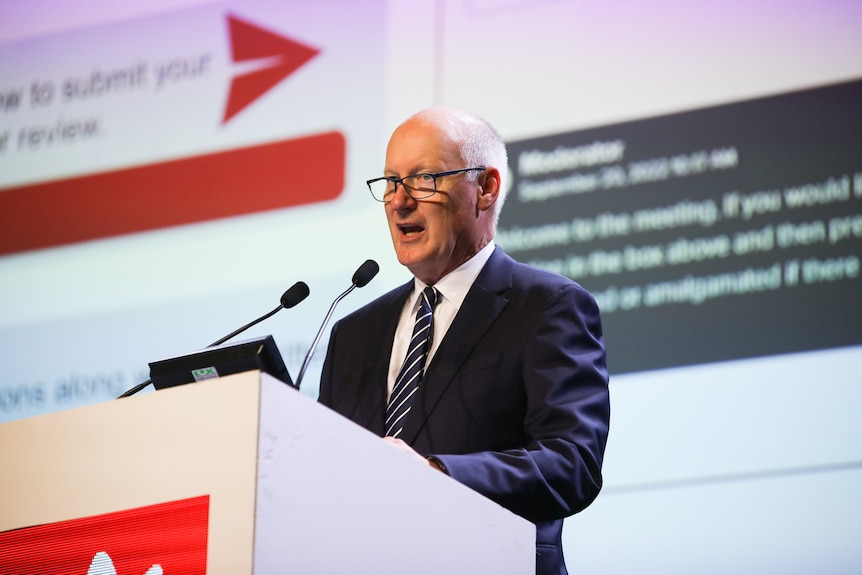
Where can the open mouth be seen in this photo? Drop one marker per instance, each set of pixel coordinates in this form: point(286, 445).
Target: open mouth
point(410, 230)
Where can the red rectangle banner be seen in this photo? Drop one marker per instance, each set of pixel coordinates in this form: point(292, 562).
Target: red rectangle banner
point(184, 191)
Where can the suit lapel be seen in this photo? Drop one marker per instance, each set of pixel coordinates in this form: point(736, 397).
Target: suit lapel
point(480, 309)
point(371, 407)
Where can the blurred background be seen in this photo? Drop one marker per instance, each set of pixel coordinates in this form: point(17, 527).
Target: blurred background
point(169, 169)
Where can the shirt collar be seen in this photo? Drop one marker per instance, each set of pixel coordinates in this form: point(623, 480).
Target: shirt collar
point(455, 285)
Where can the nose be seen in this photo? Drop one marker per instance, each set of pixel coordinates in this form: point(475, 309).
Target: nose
point(401, 200)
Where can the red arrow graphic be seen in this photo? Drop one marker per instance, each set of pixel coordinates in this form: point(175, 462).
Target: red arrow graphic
point(250, 42)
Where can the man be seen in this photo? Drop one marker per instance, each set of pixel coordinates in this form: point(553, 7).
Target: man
point(513, 401)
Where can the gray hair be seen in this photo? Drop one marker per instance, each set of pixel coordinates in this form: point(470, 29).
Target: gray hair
point(481, 144)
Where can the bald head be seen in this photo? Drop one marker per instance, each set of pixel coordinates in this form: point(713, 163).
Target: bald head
point(434, 233)
point(476, 141)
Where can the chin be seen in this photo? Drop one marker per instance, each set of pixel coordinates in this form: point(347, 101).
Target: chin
point(409, 262)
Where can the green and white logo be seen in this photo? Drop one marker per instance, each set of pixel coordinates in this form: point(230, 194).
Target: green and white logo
point(204, 373)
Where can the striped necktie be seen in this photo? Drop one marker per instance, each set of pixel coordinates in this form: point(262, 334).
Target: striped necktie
point(411, 371)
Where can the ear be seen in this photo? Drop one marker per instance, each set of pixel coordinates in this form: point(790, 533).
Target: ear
point(489, 189)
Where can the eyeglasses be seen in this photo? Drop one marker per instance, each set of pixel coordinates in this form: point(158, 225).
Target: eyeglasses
point(417, 186)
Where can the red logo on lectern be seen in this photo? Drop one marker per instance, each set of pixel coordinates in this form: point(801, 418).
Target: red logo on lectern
point(163, 539)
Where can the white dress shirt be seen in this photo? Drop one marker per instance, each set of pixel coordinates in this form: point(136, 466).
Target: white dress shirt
point(453, 288)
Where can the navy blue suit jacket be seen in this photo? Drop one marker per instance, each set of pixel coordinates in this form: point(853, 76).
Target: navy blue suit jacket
point(514, 402)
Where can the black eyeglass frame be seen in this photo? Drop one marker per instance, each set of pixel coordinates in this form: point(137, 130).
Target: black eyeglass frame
point(407, 188)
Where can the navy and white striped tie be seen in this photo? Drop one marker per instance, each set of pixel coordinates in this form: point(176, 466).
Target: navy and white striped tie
point(411, 371)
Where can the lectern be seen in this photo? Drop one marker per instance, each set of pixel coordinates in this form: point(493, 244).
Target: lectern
point(260, 478)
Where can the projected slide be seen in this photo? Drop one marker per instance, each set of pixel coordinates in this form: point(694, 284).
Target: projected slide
point(687, 226)
point(164, 179)
point(55, 116)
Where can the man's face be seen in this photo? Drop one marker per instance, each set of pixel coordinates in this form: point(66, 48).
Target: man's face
point(433, 236)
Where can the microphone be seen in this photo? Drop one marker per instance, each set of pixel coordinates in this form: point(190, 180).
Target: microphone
point(363, 275)
point(294, 294)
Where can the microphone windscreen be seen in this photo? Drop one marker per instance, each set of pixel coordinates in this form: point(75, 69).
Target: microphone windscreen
point(365, 273)
point(295, 294)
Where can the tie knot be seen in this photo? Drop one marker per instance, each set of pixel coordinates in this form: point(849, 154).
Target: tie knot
point(430, 297)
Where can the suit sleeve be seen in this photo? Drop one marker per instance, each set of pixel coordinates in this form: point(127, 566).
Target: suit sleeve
point(558, 471)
